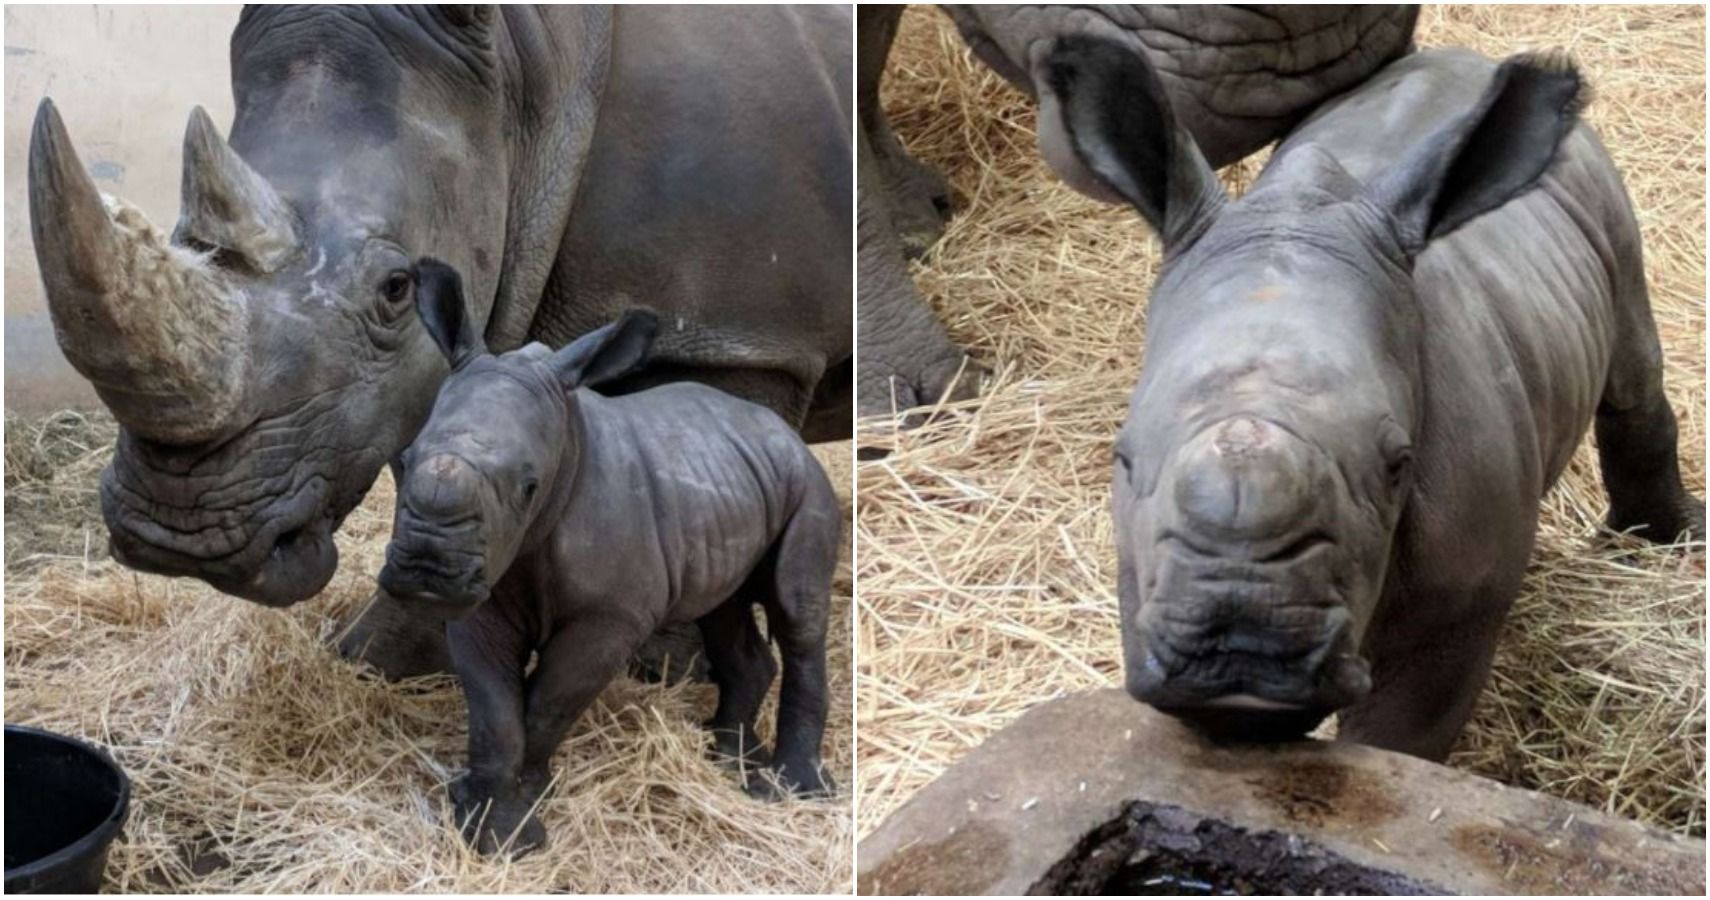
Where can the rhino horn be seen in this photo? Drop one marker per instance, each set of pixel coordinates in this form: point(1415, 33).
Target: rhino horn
point(153, 326)
point(227, 205)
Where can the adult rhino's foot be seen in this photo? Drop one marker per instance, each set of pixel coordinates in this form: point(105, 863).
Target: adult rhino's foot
point(397, 641)
point(910, 387)
point(495, 817)
point(673, 654)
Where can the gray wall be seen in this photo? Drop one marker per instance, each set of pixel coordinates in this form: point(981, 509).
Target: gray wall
point(125, 79)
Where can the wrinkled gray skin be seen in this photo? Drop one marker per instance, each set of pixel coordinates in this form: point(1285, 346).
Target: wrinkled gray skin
point(1359, 380)
point(574, 161)
point(542, 517)
point(1239, 78)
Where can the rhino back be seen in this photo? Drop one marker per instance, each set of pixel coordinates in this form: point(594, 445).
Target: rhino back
point(681, 491)
point(1519, 307)
point(718, 190)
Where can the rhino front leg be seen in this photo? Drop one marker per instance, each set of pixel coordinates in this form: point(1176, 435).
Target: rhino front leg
point(907, 358)
point(918, 197)
point(397, 641)
point(576, 664)
point(1425, 681)
point(490, 802)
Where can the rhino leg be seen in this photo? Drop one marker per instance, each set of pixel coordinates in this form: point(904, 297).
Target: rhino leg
point(1637, 441)
point(490, 803)
point(397, 641)
point(798, 608)
point(907, 358)
point(742, 666)
point(1426, 677)
point(919, 198)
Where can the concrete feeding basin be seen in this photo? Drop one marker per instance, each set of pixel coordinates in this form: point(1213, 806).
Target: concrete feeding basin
point(1099, 794)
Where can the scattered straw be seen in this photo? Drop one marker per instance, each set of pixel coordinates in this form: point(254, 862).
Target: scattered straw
point(262, 763)
point(987, 566)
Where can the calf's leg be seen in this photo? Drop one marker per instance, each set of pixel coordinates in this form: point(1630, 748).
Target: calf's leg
point(576, 663)
point(742, 667)
point(805, 563)
point(1637, 442)
point(490, 653)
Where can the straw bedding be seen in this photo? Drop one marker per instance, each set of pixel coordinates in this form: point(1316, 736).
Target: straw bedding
point(262, 762)
point(985, 559)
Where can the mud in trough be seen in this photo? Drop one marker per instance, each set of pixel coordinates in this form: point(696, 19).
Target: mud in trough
point(987, 564)
point(263, 763)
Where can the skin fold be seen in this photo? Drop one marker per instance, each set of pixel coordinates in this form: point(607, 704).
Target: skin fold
point(1360, 379)
point(1237, 77)
point(539, 516)
point(262, 358)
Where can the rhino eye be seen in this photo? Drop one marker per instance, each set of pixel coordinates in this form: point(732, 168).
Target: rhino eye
point(529, 487)
point(396, 287)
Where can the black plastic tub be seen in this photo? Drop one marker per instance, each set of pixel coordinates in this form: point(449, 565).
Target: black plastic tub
point(65, 803)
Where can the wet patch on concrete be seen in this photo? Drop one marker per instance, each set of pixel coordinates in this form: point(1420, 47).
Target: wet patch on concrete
point(967, 861)
point(1161, 849)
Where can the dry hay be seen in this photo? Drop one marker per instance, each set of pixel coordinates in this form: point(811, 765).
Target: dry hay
point(263, 763)
point(986, 560)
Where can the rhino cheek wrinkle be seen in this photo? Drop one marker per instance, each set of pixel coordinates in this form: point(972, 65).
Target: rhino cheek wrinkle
point(538, 515)
point(1321, 502)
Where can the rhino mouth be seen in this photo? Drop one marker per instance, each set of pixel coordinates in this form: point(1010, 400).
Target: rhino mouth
point(289, 558)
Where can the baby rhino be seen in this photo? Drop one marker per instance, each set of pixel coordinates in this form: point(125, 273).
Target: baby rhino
point(537, 515)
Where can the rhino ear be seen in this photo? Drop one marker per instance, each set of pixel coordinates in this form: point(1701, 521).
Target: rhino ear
point(1487, 157)
point(440, 303)
point(607, 353)
point(1107, 112)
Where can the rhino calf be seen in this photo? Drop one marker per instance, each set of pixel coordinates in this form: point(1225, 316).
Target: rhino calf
point(536, 515)
point(1360, 378)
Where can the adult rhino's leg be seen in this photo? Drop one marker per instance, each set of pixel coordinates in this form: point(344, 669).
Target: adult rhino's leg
point(1637, 440)
point(918, 198)
point(396, 640)
point(906, 357)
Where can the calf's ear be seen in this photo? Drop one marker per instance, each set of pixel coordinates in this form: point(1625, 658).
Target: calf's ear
point(1487, 157)
point(440, 303)
point(1108, 105)
point(607, 353)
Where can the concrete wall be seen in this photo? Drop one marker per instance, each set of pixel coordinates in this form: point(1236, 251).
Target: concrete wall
point(125, 79)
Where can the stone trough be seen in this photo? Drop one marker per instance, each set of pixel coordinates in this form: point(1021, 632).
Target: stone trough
point(1098, 794)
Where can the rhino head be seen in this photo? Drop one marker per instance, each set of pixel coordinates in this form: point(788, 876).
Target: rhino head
point(495, 464)
point(1268, 458)
point(264, 359)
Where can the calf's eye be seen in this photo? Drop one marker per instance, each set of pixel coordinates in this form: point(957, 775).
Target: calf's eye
point(396, 287)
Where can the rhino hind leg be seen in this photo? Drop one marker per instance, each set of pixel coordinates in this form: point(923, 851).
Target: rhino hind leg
point(1637, 438)
point(396, 641)
point(797, 610)
point(743, 668)
point(1638, 451)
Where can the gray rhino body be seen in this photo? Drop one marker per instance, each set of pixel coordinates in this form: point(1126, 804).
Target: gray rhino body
point(574, 161)
point(542, 517)
point(1360, 379)
point(1239, 78)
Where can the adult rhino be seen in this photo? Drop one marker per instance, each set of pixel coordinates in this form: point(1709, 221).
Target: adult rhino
point(1360, 379)
point(265, 361)
point(1238, 77)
